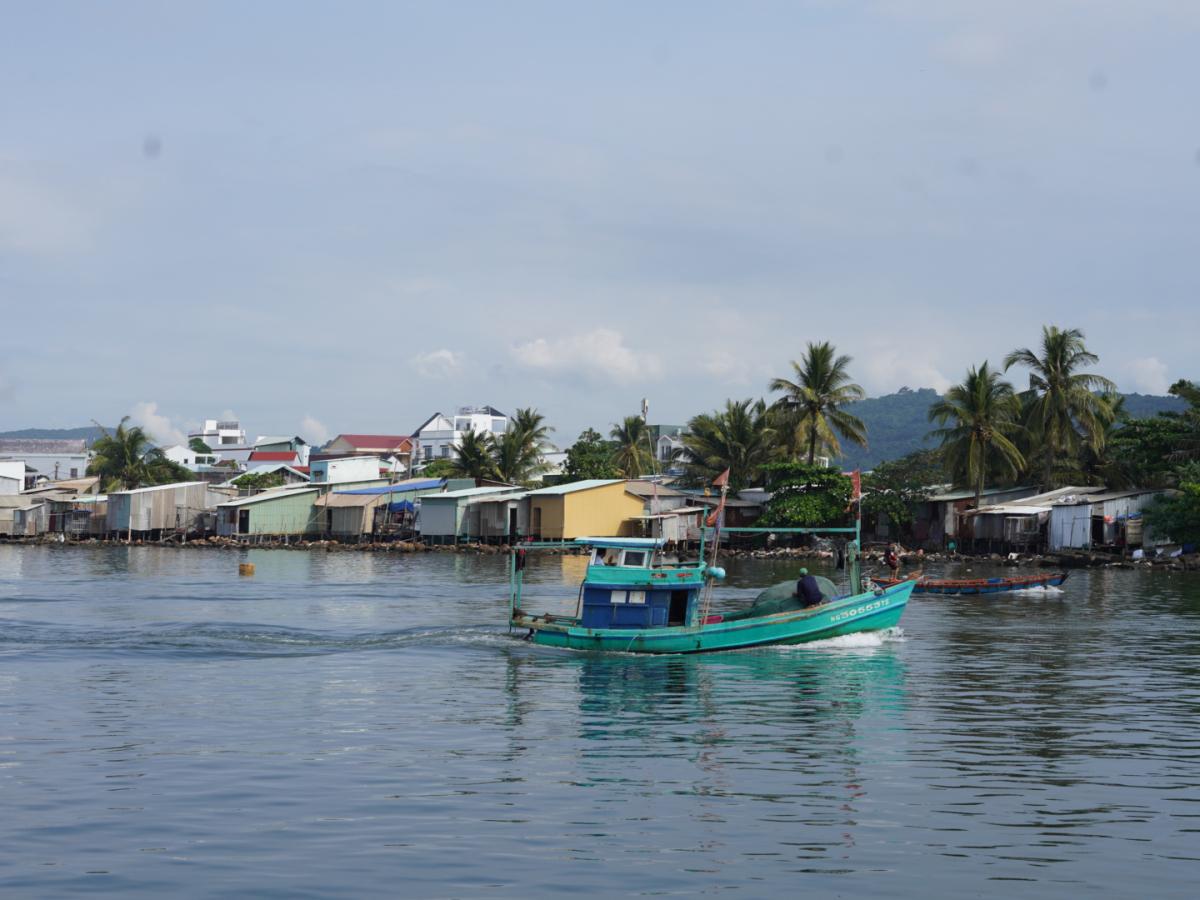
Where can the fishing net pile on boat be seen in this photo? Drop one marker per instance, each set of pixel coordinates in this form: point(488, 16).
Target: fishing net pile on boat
point(782, 598)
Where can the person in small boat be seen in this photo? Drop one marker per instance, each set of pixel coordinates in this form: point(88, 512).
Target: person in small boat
point(808, 590)
point(892, 557)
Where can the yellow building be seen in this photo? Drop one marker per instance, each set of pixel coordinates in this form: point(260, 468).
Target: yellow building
point(594, 508)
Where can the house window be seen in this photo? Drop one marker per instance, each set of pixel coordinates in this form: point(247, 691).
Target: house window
point(74, 473)
point(445, 452)
point(428, 454)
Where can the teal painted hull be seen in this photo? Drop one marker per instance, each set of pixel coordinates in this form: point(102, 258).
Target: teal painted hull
point(864, 612)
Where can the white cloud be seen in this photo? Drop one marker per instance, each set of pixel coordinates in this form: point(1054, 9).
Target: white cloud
point(314, 430)
point(599, 355)
point(157, 426)
point(973, 48)
point(438, 363)
point(36, 218)
point(887, 368)
point(1149, 375)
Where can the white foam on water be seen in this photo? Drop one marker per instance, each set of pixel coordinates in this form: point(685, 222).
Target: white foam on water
point(860, 640)
point(1047, 591)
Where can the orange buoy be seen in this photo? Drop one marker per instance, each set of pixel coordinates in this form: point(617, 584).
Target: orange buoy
point(245, 568)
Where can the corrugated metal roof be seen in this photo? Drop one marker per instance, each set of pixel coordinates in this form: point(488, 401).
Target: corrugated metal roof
point(648, 489)
point(468, 492)
point(268, 495)
point(500, 498)
point(572, 487)
point(70, 446)
point(400, 487)
point(375, 441)
point(952, 496)
point(161, 487)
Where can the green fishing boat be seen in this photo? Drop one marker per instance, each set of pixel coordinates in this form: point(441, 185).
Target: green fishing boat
point(638, 597)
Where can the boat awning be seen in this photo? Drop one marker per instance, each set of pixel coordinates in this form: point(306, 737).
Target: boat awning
point(630, 542)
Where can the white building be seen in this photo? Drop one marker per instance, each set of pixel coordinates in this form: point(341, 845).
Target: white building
point(346, 469)
point(51, 460)
point(440, 434)
point(12, 476)
point(187, 457)
point(217, 434)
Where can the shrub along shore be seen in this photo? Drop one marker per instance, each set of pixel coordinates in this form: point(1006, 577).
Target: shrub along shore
point(911, 562)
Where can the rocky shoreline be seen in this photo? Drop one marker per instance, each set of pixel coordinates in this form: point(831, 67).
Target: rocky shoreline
point(1079, 559)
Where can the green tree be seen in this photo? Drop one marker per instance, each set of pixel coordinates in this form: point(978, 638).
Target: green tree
point(590, 457)
point(1178, 517)
point(979, 418)
point(260, 481)
point(633, 455)
point(125, 459)
point(738, 438)
point(439, 468)
point(1189, 442)
point(474, 456)
point(1061, 406)
point(198, 446)
point(805, 496)
point(895, 488)
point(811, 413)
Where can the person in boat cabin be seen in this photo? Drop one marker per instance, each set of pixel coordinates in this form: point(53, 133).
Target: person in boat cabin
point(808, 590)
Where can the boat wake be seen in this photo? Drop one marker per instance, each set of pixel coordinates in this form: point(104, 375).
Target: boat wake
point(862, 640)
point(1047, 591)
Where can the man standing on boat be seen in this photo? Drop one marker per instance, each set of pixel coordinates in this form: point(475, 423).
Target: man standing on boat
point(808, 590)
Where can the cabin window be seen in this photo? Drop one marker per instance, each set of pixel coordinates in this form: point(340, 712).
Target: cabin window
point(637, 597)
point(620, 596)
point(635, 557)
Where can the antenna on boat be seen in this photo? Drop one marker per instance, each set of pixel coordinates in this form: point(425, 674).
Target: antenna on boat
point(716, 521)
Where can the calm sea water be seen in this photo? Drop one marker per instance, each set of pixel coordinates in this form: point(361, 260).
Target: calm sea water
point(348, 724)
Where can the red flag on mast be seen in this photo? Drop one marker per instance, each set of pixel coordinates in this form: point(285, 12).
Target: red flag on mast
point(721, 481)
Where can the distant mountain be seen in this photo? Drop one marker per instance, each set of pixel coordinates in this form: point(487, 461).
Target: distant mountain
point(897, 423)
point(88, 433)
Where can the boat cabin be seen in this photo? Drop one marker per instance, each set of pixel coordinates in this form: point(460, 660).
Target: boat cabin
point(637, 583)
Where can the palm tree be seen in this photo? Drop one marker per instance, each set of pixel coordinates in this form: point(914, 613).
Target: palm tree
point(978, 417)
point(738, 438)
point(633, 455)
point(474, 455)
point(125, 459)
point(811, 407)
point(1061, 405)
point(518, 452)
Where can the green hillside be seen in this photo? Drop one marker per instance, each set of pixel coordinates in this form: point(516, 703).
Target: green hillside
point(88, 433)
point(897, 423)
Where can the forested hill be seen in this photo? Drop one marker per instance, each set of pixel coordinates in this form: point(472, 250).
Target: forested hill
point(897, 423)
point(88, 433)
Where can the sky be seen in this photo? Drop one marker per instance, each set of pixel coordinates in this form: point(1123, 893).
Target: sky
point(326, 218)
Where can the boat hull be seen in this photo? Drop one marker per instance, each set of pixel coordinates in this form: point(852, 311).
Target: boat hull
point(979, 585)
point(864, 612)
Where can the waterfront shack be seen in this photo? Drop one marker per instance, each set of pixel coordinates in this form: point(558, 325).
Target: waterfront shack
point(1022, 524)
point(1109, 519)
point(451, 516)
point(32, 519)
point(149, 511)
point(353, 514)
point(9, 503)
point(594, 507)
point(287, 512)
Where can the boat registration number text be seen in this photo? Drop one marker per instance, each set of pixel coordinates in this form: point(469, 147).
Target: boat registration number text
point(859, 610)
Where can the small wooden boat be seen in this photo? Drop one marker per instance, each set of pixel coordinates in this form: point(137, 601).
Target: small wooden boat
point(635, 599)
point(923, 585)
